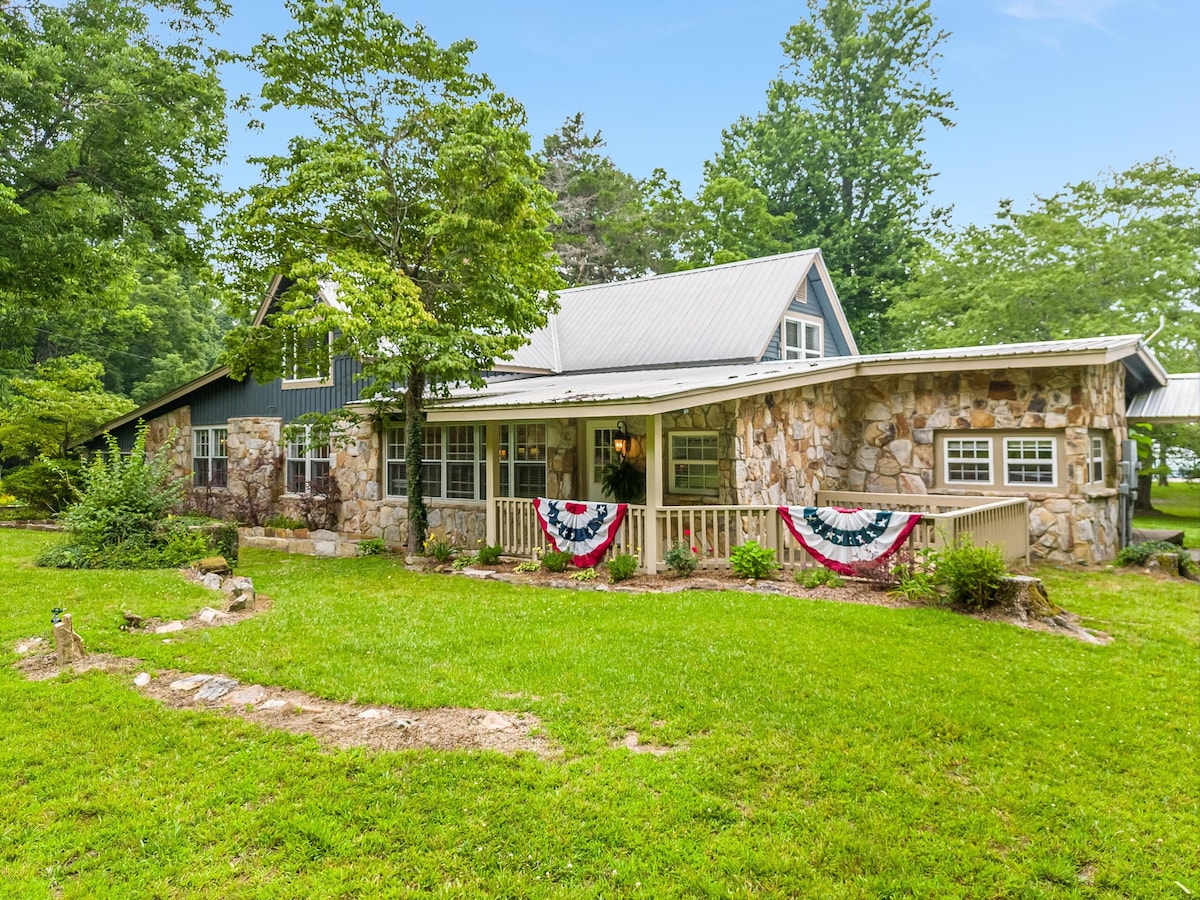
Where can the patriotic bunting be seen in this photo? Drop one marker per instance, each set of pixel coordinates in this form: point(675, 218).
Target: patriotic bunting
point(585, 529)
point(838, 538)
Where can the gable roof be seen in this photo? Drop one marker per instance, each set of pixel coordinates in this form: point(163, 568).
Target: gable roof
point(1177, 401)
point(720, 314)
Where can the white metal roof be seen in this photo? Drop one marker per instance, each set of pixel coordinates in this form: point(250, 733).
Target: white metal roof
point(661, 389)
point(717, 314)
point(1178, 401)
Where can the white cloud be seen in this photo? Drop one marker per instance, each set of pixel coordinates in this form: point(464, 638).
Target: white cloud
point(1080, 12)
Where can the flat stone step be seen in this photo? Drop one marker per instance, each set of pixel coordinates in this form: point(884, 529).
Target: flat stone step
point(1145, 535)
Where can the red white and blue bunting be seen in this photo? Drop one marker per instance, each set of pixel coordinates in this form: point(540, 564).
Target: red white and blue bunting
point(839, 538)
point(584, 529)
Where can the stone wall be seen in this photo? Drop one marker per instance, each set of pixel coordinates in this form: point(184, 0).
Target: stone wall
point(562, 458)
point(721, 418)
point(175, 428)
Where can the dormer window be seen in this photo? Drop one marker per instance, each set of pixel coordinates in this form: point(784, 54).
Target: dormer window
point(802, 339)
point(306, 359)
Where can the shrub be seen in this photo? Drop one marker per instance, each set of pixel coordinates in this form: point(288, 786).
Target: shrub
point(281, 521)
point(918, 578)
point(972, 575)
point(682, 559)
point(819, 576)
point(588, 574)
point(439, 549)
point(489, 556)
point(878, 572)
point(45, 486)
point(753, 561)
point(621, 567)
point(529, 565)
point(1140, 554)
point(372, 547)
point(557, 560)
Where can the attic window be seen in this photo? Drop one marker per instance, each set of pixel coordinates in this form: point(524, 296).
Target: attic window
point(306, 358)
point(802, 339)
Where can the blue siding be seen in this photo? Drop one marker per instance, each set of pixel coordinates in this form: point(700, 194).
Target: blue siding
point(224, 399)
point(817, 305)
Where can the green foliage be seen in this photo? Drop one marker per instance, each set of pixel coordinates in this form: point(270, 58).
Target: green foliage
point(733, 221)
point(750, 560)
point(818, 576)
point(1099, 257)
point(279, 520)
point(111, 122)
point(971, 575)
point(372, 547)
point(415, 192)
point(622, 566)
point(920, 581)
point(46, 486)
point(1140, 554)
point(61, 401)
point(529, 565)
point(588, 574)
point(490, 555)
point(438, 548)
point(623, 481)
point(839, 149)
point(682, 559)
point(557, 560)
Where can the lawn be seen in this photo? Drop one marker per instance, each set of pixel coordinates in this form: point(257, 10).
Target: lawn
point(823, 749)
point(1177, 508)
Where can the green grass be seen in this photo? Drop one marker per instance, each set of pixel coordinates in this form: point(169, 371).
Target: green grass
point(830, 750)
point(1177, 508)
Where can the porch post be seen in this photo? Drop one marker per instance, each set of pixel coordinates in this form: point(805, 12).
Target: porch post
point(654, 489)
point(491, 441)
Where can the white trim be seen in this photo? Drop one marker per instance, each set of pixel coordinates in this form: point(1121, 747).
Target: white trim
point(1093, 458)
point(307, 455)
point(443, 461)
point(807, 324)
point(967, 437)
point(1053, 462)
point(673, 460)
point(209, 433)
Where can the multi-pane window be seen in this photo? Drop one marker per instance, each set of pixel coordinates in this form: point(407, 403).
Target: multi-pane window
point(210, 457)
point(452, 462)
point(1096, 459)
point(968, 461)
point(801, 339)
point(523, 460)
point(306, 357)
point(694, 462)
point(1029, 461)
point(307, 463)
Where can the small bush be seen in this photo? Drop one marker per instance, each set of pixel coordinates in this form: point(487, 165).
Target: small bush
point(372, 547)
point(439, 549)
point(819, 576)
point(621, 567)
point(529, 565)
point(45, 486)
point(489, 556)
point(281, 521)
point(972, 575)
point(557, 560)
point(682, 559)
point(753, 561)
point(1140, 554)
point(878, 572)
point(588, 574)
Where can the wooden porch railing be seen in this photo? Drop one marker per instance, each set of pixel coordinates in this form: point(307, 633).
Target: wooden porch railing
point(715, 530)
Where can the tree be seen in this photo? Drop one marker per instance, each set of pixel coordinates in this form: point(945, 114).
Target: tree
point(60, 403)
point(107, 132)
point(611, 225)
point(1112, 256)
point(418, 197)
point(732, 221)
point(839, 146)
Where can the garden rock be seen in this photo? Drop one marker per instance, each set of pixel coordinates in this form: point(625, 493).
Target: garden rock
point(208, 615)
point(170, 627)
point(212, 581)
point(217, 564)
point(216, 688)
point(247, 696)
point(141, 679)
point(191, 683)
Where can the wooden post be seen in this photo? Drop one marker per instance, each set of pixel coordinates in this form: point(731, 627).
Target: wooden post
point(67, 643)
point(491, 437)
point(654, 490)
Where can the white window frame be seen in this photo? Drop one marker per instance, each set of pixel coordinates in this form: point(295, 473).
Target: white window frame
point(1096, 460)
point(292, 378)
point(948, 459)
point(440, 463)
point(210, 438)
point(805, 327)
point(1052, 462)
point(525, 455)
point(676, 458)
point(314, 461)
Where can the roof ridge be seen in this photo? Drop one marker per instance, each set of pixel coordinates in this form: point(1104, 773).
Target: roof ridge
point(641, 279)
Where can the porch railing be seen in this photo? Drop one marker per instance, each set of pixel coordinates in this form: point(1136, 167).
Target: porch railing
point(715, 530)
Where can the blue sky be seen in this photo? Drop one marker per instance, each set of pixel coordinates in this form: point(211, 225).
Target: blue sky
point(1047, 91)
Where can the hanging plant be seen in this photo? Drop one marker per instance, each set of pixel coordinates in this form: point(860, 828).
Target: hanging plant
point(623, 481)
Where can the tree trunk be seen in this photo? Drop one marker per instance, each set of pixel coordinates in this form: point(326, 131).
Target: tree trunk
point(1163, 469)
point(1144, 483)
point(414, 453)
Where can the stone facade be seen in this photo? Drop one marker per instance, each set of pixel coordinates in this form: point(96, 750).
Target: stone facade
point(721, 418)
point(172, 431)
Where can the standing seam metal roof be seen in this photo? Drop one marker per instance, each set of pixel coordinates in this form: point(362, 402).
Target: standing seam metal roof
point(1178, 401)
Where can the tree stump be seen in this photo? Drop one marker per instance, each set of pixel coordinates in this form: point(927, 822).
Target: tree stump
point(1028, 597)
point(67, 643)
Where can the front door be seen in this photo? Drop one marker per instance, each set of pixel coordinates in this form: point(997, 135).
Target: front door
point(597, 453)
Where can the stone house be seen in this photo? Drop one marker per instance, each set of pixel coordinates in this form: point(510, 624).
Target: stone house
point(735, 389)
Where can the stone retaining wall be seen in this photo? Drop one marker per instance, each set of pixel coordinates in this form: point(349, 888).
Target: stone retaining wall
point(301, 541)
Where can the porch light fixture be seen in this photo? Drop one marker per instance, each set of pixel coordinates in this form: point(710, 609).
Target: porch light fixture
point(621, 440)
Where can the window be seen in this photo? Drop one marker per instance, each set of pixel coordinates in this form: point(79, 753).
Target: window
point(523, 460)
point(306, 358)
point(801, 339)
point(210, 457)
point(1029, 461)
point(694, 462)
point(968, 461)
point(1096, 459)
point(452, 462)
point(307, 465)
